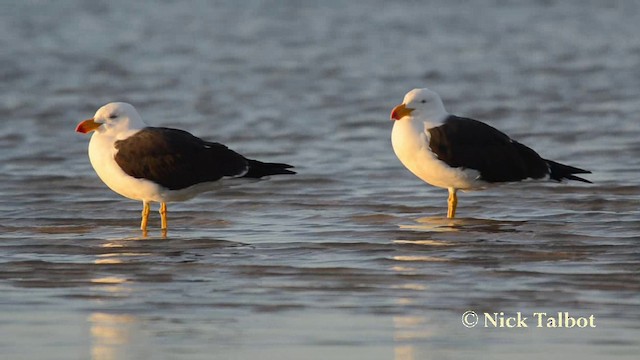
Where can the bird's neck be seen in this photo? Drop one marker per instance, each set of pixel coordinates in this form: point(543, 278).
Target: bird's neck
point(430, 121)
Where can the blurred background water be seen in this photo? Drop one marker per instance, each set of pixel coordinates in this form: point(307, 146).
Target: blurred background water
point(352, 257)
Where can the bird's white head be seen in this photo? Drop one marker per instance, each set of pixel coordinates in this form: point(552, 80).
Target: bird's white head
point(113, 118)
point(422, 104)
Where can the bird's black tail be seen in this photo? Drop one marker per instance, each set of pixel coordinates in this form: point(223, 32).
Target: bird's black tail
point(559, 172)
point(258, 169)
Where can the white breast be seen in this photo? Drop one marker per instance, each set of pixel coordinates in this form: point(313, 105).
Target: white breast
point(101, 154)
point(410, 142)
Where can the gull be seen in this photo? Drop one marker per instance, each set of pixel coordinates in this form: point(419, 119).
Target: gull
point(159, 164)
point(458, 153)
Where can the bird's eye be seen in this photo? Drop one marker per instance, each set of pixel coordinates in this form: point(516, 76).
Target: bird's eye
point(113, 116)
point(423, 101)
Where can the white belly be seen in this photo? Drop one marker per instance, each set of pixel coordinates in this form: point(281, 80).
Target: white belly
point(411, 146)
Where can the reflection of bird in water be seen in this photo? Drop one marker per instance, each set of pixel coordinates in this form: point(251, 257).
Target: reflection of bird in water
point(111, 335)
point(458, 153)
point(156, 164)
point(439, 224)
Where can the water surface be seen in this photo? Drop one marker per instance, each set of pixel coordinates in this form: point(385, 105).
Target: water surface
point(351, 258)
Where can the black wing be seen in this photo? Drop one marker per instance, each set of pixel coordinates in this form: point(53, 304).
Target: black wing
point(468, 143)
point(175, 159)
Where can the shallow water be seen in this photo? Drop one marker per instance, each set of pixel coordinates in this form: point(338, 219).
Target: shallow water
point(352, 257)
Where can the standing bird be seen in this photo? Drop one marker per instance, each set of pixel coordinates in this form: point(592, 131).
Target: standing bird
point(158, 164)
point(458, 153)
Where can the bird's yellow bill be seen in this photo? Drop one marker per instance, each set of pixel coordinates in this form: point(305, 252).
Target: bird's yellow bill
point(87, 126)
point(400, 111)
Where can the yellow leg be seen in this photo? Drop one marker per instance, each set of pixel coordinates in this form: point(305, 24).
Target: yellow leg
point(453, 203)
point(163, 216)
point(145, 215)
